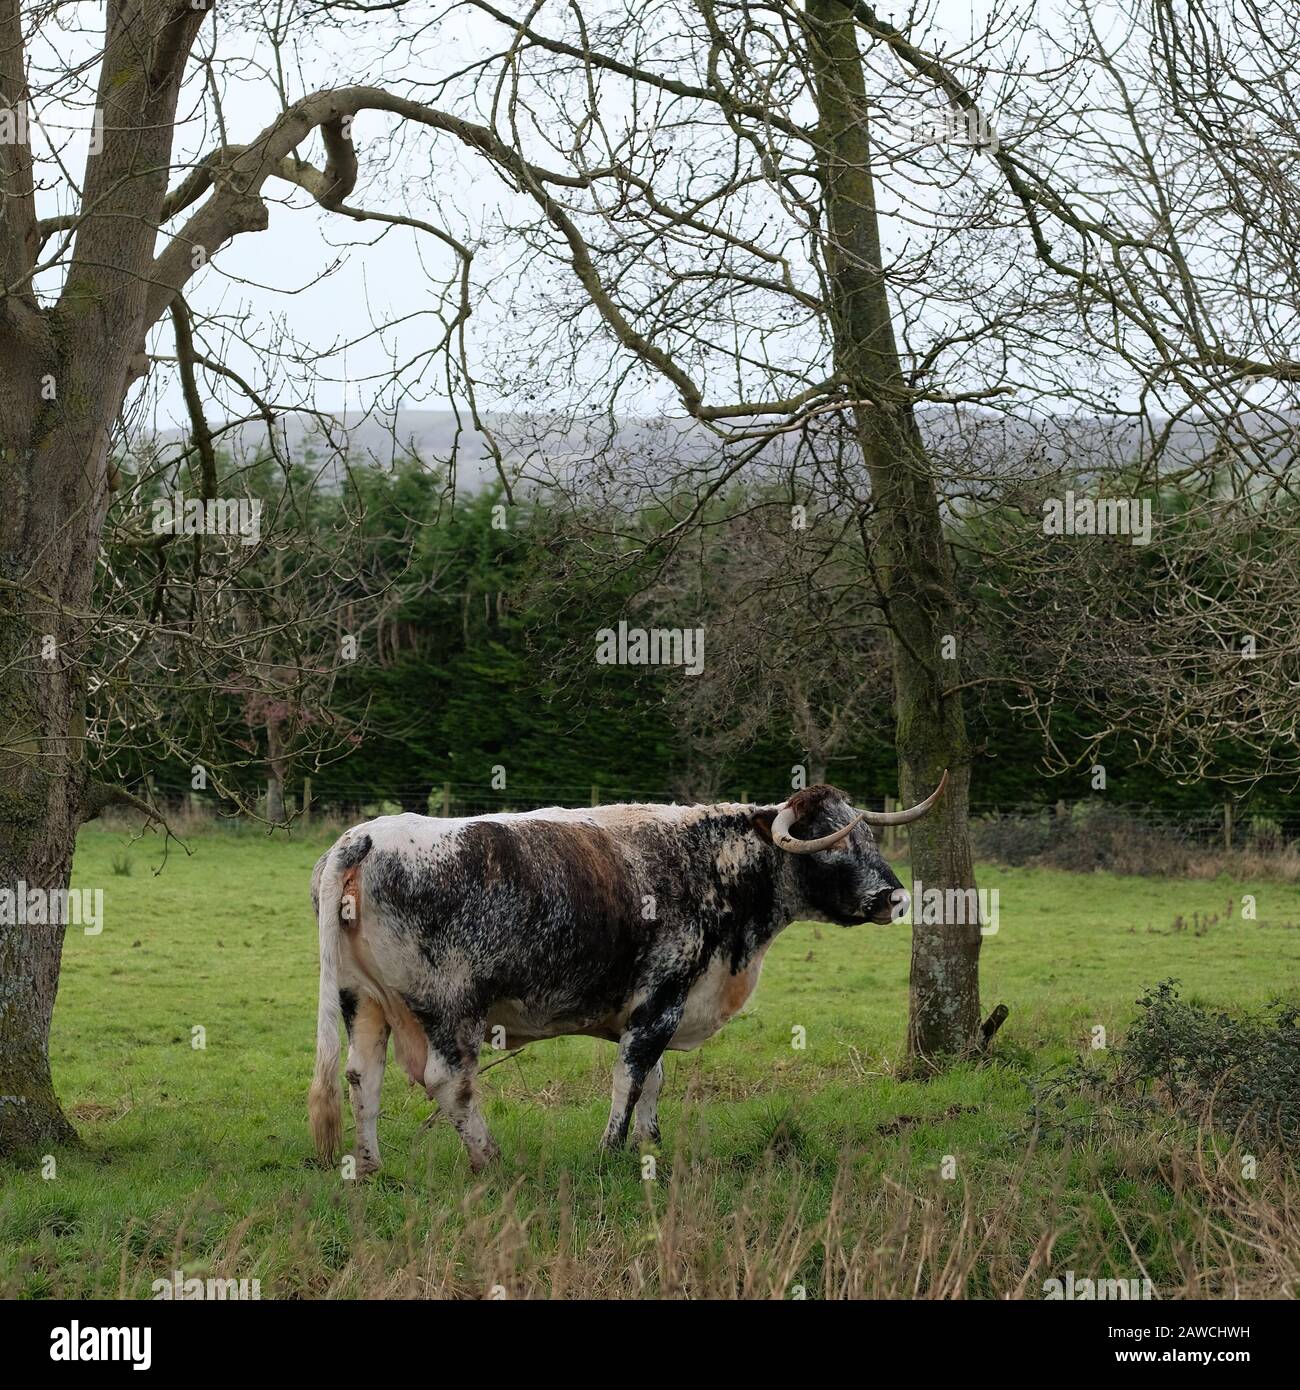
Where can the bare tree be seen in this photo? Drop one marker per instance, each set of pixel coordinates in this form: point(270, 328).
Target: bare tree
point(761, 212)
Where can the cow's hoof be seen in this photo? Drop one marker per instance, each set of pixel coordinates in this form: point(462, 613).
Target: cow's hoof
point(366, 1165)
point(645, 1136)
point(611, 1143)
point(485, 1158)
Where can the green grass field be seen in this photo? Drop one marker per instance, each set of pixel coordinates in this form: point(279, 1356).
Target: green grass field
point(781, 1171)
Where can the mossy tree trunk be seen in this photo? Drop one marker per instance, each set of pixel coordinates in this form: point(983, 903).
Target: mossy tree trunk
point(908, 553)
point(64, 374)
point(53, 480)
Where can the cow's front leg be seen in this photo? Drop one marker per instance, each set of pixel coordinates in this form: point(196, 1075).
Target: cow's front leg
point(646, 1129)
point(449, 1078)
point(639, 1052)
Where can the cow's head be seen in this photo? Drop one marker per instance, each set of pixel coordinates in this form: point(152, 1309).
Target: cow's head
point(838, 869)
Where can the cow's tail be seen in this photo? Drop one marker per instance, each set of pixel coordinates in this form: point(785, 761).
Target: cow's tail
point(324, 1102)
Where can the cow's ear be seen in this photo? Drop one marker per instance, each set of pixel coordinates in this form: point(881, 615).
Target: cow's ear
point(762, 823)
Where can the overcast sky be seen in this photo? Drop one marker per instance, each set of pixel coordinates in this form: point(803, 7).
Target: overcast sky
point(278, 276)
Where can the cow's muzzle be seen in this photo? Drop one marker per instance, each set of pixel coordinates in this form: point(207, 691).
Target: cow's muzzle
point(889, 905)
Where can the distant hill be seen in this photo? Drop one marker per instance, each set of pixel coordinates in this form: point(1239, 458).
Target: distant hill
point(638, 455)
point(532, 449)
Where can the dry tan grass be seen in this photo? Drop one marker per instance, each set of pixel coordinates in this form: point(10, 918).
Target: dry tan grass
point(1282, 864)
point(1241, 1240)
point(1224, 1235)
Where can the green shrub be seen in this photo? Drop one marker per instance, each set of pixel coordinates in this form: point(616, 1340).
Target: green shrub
point(1244, 1069)
point(1235, 1072)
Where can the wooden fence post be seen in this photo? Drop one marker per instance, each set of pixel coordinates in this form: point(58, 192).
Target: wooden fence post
point(1227, 825)
point(306, 801)
point(446, 799)
point(595, 794)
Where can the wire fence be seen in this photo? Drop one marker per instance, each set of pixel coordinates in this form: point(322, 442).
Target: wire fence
point(1224, 823)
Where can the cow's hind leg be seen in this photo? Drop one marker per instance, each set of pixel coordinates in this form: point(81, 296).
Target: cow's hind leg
point(367, 1053)
point(450, 1075)
point(649, 1030)
point(646, 1129)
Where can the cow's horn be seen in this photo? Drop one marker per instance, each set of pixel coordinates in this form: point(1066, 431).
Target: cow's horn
point(912, 813)
point(782, 838)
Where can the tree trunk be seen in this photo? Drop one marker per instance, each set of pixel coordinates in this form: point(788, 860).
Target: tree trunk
point(37, 831)
point(47, 551)
point(275, 800)
point(277, 770)
point(908, 552)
